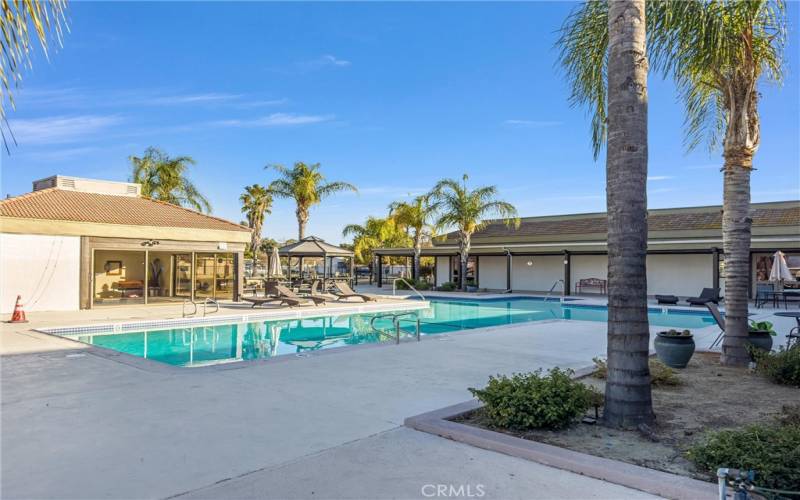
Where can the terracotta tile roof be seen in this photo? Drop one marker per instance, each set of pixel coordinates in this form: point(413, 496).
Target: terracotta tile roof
point(700, 218)
point(78, 206)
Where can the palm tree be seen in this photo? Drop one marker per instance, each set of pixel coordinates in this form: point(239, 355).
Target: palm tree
point(621, 57)
point(417, 216)
point(467, 210)
point(164, 178)
point(18, 20)
point(717, 52)
point(256, 204)
point(306, 185)
point(375, 232)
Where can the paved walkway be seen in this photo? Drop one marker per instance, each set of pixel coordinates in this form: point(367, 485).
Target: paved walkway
point(79, 425)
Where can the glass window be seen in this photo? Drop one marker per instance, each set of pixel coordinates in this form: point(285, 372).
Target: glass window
point(119, 277)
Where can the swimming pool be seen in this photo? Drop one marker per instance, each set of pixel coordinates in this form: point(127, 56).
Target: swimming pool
point(214, 344)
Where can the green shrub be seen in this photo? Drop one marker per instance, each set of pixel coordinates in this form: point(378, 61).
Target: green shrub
point(773, 451)
point(781, 366)
point(660, 374)
point(419, 284)
point(448, 286)
point(532, 400)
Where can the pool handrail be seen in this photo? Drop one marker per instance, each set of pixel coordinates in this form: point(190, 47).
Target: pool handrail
point(396, 318)
point(409, 285)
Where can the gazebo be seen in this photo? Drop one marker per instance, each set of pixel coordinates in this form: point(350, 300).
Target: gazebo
point(313, 247)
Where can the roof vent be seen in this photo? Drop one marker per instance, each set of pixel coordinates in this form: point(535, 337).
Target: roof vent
point(88, 185)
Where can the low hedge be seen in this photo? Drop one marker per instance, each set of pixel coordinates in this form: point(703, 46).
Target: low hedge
point(532, 400)
point(781, 366)
point(771, 450)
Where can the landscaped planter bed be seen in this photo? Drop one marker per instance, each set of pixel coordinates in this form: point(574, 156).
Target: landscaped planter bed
point(712, 397)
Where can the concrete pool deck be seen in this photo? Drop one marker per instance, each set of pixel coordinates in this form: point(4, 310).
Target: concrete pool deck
point(79, 425)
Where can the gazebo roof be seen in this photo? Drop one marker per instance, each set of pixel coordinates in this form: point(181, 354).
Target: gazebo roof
point(311, 246)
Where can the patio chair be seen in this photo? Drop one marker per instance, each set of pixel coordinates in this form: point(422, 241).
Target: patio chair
point(667, 299)
point(270, 296)
point(763, 294)
point(286, 293)
point(707, 295)
point(714, 310)
point(345, 292)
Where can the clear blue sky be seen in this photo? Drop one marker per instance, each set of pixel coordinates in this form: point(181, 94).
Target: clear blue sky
point(389, 96)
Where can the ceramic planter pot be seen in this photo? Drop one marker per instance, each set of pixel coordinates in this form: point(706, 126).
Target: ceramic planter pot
point(760, 339)
point(674, 351)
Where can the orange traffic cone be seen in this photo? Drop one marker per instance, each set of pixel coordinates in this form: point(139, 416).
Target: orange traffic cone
point(19, 315)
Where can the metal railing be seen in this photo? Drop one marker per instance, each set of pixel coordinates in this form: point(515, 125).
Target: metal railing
point(209, 300)
point(396, 319)
point(205, 304)
point(183, 308)
point(550, 292)
point(409, 285)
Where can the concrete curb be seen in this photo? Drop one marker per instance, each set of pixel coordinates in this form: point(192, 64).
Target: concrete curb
point(651, 481)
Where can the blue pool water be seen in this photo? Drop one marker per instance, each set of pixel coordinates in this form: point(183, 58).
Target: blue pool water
point(201, 345)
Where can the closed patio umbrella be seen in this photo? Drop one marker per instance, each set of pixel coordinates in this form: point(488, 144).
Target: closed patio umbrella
point(275, 269)
point(780, 271)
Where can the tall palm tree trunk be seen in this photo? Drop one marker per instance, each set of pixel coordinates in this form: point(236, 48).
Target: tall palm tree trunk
point(736, 244)
point(628, 400)
point(302, 220)
point(417, 254)
point(463, 259)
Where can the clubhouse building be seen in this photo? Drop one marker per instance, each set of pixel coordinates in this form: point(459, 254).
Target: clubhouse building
point(684, 251)
point(76, 243)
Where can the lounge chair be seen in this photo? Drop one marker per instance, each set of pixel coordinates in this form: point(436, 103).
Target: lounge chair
point(260, 301)
point(345, 292)
point(286, 293)
point(714, 310)
point(707, 295)
point(667, 299)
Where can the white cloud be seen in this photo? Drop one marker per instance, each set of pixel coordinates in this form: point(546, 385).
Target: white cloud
point(60, 129)
point(324, 61)
point(274, 120)
point(59, 154)
point(658, 177)
point(264, 103)
point(533, 123)
point(190, 99)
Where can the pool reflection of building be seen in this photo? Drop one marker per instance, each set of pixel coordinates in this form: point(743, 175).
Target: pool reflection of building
point(204, 345)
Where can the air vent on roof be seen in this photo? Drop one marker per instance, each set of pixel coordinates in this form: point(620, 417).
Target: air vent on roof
point(66, 183)
point(133, 190)
point(88, 185)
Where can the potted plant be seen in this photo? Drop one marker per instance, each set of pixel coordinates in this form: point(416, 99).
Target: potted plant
point(760, 335)
point(674, 348)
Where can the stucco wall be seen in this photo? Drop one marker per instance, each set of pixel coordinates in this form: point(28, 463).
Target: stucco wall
point(492, 272)
point(682, 275)
point(588, 266)
point(44, 270)
point(540, 276)
point(442, 270)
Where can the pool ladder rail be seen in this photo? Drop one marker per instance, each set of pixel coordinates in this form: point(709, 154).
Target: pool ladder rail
point(205, 304)
point(550, 292)
point(396, 319)
point(409, 285)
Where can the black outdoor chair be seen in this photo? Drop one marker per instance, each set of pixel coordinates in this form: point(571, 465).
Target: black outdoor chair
point(667, 299)
point(707, 295)
point(714, 310)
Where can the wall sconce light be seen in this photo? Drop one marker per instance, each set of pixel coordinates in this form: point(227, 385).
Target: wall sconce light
point(530, 263)
point(150, 243)
point(566, 262)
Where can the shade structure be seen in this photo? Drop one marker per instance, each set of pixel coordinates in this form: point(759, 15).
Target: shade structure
point(780, 271)
point(274, 269)
point(311, 246)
